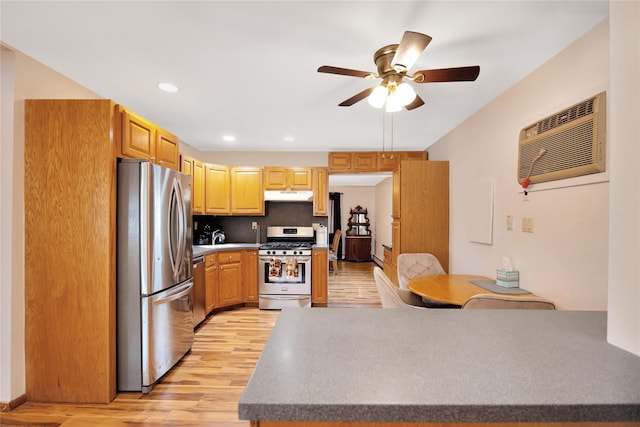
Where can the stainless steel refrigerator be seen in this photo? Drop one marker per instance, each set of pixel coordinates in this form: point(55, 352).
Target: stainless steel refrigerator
point(154, 256)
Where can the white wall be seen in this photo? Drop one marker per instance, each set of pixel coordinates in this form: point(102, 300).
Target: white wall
point(353, 196)
point(623, 321)
point(261, 158)
point(383, 209)
point(566, 257)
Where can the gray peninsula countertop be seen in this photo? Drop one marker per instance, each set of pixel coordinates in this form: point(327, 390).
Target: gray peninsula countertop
point(398, 365)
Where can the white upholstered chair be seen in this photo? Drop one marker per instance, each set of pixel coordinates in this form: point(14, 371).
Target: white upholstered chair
point(414, 265)
point(391, 296)
point(514, 302)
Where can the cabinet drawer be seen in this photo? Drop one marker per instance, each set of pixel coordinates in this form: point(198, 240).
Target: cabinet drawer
point(228, 257)
point(210, 260)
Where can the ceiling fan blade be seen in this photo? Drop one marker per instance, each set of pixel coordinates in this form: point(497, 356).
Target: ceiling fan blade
point(458, 74)
point(410, 48)
point(357, 97)
point(418, 102)
point(345, 71)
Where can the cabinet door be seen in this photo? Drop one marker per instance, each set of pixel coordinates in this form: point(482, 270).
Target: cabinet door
point(195, 168)
point(217, 190)
point(229, 278)
point(197, 190)
point(299, 179)
point(320, 192)
point(138, 137)
point(275, 178)
point(340, 162)
point(388, 160)
point(250, 275)
point(166, 149)
point(211, 283)
point(365, 161)
point(395, 197)
point(319, 276)
point(247, 194)
point(414, 155)
point(186, 165)
point(395, 241)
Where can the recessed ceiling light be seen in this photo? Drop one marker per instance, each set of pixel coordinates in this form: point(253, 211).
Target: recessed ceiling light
point(229, 138)
point(288, 139)
point(168, 87)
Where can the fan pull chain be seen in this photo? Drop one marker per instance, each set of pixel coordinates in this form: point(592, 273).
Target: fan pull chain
point(383, 129)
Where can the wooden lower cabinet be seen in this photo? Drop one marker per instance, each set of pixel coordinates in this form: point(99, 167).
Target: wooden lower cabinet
point(211, 283)
point(229, 278)
point(358, 248)
point(250, 275)
point(319, 276)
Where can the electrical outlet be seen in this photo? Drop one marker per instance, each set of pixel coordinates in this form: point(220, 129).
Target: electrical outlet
point(509, 222)
point(254, 225)
point(527, 225)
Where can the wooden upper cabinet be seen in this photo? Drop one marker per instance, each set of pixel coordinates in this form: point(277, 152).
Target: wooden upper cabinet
point(195, 168)
point(365, 161)
point(247, 191)
point(320, 191)
point(217, 189)
point(414, 155)
point(166, 149)
point(359, 161)
point(388, 160)
point(281, 178)
point(370, 161)
point(138, 136)
point(141, 139)
point(340, 162)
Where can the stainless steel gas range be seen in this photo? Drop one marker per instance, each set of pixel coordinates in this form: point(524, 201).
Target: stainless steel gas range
point(284, 268)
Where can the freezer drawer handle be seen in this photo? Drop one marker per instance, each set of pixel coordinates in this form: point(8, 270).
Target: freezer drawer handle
point(177, 294)
point(286, 297)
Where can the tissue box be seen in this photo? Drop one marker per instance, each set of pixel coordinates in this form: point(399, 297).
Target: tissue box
point(507, 279)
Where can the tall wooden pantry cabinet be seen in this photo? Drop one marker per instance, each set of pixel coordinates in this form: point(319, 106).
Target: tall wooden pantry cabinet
point(70, 207)
point(420, 211)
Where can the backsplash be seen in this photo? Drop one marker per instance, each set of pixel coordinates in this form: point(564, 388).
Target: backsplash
point(238, 229)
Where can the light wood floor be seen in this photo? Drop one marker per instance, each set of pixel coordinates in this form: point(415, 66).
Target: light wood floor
point(204, 388)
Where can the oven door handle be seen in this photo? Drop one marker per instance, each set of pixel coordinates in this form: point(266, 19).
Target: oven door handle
point(300, 258)
point(292, 297)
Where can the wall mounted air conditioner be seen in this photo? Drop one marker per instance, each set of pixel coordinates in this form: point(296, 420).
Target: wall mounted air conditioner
point(566, 144)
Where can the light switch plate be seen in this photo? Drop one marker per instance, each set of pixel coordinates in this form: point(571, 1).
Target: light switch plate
point(527, 225)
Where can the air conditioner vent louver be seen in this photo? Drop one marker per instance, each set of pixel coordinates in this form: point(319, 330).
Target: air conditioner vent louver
point(573, 142)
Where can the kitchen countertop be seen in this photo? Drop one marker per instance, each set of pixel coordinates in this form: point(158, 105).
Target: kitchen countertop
point(398, 365)
point(207, 249)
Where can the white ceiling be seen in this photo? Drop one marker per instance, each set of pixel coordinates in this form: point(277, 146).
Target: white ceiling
point(249, 68)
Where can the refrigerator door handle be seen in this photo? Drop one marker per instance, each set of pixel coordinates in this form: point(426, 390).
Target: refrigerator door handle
point(180, 292)
point(177, 253)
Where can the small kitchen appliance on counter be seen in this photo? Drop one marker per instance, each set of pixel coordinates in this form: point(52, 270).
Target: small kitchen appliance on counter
point(284, 268)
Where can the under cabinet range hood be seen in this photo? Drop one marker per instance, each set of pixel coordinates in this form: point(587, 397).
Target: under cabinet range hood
point(288, 196)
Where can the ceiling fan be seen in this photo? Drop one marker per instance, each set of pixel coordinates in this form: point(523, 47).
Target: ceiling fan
point(393, 63)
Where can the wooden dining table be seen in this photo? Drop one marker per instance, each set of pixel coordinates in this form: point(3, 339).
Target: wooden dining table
point(453, 289)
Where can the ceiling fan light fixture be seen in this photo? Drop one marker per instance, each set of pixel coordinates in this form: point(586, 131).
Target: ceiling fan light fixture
point(405, 94)
point(393, 103)
point(378, 97)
